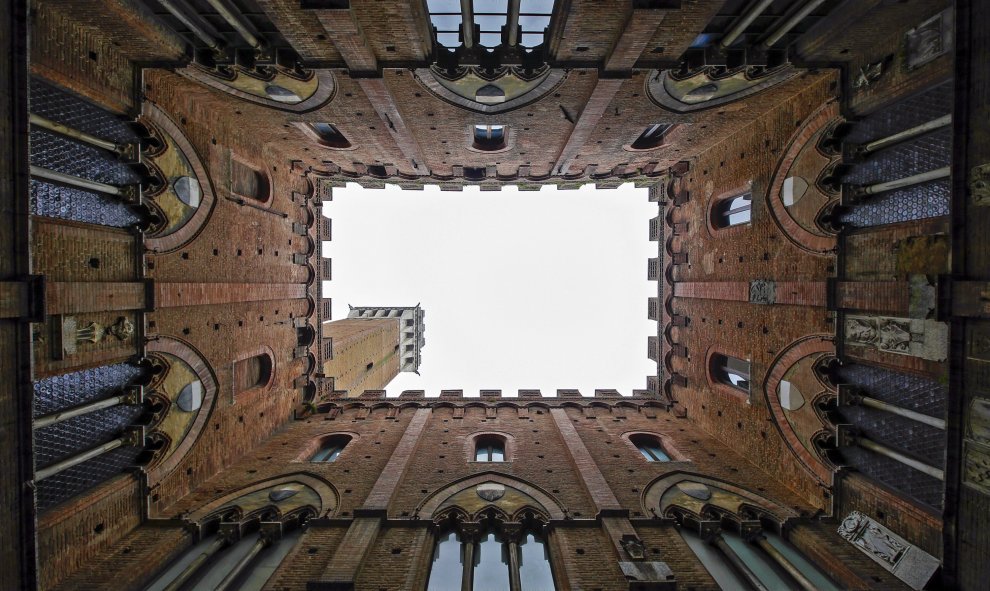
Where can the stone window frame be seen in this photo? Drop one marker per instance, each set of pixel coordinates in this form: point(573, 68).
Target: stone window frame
point(306, 127)
point(716, 385)
point(508, 445)
point(666, 442)
point(508, 139)
point(263, 170)
point(267, 385)
point(316, 442)
point(662, 141)
point(737, 191)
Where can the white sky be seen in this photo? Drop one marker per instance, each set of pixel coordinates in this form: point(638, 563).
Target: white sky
point(522, 290)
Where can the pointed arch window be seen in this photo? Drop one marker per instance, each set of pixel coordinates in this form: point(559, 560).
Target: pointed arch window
point(736, 210)
point(493, 557)
point(253, 372)
point(730, 371)
point(651, 448)
point(489, 449)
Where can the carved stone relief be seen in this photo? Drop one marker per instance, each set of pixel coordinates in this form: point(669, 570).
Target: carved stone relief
point(976, 466)
point(907, 562)
point(71, 335)
point(979, 184)
point(926, 339)
point(929, 40)
point(762, 291)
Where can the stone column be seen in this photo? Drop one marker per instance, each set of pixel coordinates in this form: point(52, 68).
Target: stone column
point(513, 533)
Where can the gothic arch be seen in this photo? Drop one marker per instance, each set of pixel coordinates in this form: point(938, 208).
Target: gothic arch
point(322, 498)
point(429, 508)
point(711, 86)
point(669, 445)
point(804, 152)
point(313, 89)
point(673, 492)
point(181, 171)
point(803, 348)
point(173, 453)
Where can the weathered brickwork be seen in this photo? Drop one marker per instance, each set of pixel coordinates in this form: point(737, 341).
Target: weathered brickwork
point(246, 280)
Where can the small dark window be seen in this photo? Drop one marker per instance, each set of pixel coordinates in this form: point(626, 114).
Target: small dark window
point(409, 322)
point(252, 372)
point(733, 211)
point(652, 137)
point(329, 135)
point(489, 137)
point(650, 447)
point(730, 371)
point(249, 182)
point(330, 449)
point(489, 449)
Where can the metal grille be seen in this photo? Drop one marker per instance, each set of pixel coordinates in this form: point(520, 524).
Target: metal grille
point(63, 155)
point(65, 485)
point(70, 437)
point(921, 441)
point(922, 154)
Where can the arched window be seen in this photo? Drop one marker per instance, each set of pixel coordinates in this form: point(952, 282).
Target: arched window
point(330, 449)
point(328, 135)
point(239, 564)
point(761, 556)
point(733, 211)
point(489, 449)
point(650, 447)
point(249, 182)
point(730, 371)
point(252, 372)
point(489, 138)
point(651, 137)
point(492, 561)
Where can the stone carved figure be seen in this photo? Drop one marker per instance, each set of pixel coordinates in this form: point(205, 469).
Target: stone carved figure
point(895, 335)
point(871, 537)
point(862, 331)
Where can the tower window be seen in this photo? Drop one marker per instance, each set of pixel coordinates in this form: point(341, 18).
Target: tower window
point(330, 449)
point(733, 211)
point(652, 137)
point(489, 137)
point(489, 449)
point(650, 447)
point(730, 371)
point(328, 135)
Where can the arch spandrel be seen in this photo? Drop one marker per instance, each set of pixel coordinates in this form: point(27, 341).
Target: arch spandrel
point(697, 494)
point(464, 495)
point(311, 493)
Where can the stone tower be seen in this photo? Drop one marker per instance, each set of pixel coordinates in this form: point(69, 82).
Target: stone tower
point(372, 345)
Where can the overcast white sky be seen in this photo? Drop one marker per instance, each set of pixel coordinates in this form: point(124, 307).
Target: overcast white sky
point(522, 290)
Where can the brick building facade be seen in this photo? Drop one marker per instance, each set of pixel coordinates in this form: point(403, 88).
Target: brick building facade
point(176, 388)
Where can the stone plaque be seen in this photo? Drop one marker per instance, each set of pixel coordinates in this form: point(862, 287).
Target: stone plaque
point(926, 339)
point(904, 560)
point(762, 291)
point(929, 40)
